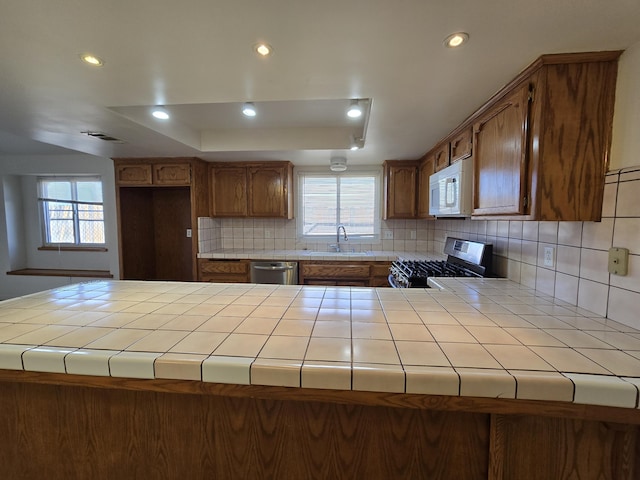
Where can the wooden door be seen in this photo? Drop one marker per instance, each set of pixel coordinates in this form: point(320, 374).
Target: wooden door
point(172, 218)
point(172, 174)
point(441, 157)
point(425, 170)
point(461, 145)
point(500, 156)
point(401, 181)
point(267, 192)
point(228, 191)
point(137, 247)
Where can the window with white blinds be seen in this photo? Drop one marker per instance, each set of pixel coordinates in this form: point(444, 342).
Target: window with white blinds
point(72, 211)
point(325, 201)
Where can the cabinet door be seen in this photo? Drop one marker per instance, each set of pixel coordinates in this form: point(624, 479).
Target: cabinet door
point(401, 191)
point(461, 146)
point(172, 174)
point(267, 192)
point(441, 157)
point(229, 192)
point(139, 174)
point(425, 170)
point(500, 156)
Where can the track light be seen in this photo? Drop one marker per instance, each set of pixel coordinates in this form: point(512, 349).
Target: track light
point(249, 109)
point(355, 110)
point(160, 113)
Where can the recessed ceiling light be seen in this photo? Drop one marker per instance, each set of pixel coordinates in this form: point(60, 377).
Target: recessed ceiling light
point(355, 110)
point(249, 109)
point(263, 49)
point(160, 113)
point(456, 39)
point(91, 59)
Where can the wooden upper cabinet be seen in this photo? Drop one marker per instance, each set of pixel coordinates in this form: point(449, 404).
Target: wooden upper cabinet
point(400, 183)
point(499, 159)
point(252, 190)
point(541, 146)
point(441, 156)
point(228, 191)
point(425, 170)
point(133, 174)
point(267, 191)
point(172, 174)
point(460, 145)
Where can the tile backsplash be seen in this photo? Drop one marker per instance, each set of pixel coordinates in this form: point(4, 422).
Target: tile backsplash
point(579, 250)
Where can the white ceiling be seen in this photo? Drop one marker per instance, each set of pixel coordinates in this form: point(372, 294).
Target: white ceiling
point(196, 57)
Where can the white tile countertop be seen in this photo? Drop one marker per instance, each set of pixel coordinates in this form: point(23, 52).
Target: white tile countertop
point(345, 255)
point(476, 337)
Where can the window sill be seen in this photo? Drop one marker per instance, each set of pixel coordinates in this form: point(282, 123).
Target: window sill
point(57, 272)
point(73, 249)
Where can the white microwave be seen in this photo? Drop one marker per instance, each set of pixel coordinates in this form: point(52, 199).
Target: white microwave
point(451, 190)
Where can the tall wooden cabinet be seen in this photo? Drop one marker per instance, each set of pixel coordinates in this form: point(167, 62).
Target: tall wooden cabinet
point(257, 189)
point(400, 183)
point(426, 168)
point(159, 202)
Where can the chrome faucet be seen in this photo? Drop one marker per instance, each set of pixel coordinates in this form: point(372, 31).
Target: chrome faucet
point(344, 232)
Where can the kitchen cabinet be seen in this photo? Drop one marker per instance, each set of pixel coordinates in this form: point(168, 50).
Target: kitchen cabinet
point(153, 174)
point(223, 271)
point(251, 189)
point(500, 156)
point(400, 183)
point(541, 144)
point(460, 145)
point(426, 168)
point(441, 156)
point(158, 205)
point(343, 273)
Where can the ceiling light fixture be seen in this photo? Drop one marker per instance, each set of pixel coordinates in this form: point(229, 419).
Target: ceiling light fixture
point(91, 59)
point(456, 39)
point(160, 113)
point(249, 109)
point(355, 110)
point(338, 164)
point(263, 49)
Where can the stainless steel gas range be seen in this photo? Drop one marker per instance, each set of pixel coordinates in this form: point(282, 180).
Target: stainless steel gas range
point(465, 258)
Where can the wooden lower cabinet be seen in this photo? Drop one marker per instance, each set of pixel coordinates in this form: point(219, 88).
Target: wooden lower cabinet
point(224, 271)
point(63, 426)
point(350, 274)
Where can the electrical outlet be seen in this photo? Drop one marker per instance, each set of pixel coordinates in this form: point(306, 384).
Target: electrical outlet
point(548, 256)
point(188, 233)
point(412, 235)
point(388, 235)
point(267, 234)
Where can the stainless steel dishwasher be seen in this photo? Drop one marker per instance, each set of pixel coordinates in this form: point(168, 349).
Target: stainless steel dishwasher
point(282, 273)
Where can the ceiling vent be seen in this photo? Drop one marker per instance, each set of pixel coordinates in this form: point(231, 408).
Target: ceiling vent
point(104, 136)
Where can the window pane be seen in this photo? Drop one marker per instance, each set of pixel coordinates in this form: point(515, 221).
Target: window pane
point(89, 191)
point(91, 223)
point(60, 221)
point(57, 190)
point(357, 204)
point(320, 205)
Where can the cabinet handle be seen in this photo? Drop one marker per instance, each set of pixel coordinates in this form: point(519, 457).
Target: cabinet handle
point(272, 269)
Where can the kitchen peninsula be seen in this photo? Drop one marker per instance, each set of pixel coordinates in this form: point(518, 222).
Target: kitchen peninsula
point(482, 379)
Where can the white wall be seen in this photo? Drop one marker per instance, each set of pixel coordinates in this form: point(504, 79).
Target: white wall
point(626, 119)
point(21, 235)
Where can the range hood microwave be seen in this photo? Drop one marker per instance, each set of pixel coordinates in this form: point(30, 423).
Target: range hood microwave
point(451, 190)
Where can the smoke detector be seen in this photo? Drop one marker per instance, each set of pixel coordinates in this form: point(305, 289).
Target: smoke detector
point(338, 164)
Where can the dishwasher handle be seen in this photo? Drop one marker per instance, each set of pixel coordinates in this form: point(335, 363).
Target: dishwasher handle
point(273, 269)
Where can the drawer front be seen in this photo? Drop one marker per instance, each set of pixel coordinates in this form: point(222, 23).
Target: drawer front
point(380, 270)
point(335, 271)
point(224, 267)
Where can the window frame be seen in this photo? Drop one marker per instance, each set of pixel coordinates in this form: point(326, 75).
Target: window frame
point(352, 172)
point(45, 219)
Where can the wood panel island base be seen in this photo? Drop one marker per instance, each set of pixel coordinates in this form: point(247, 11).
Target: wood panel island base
point(60, 426)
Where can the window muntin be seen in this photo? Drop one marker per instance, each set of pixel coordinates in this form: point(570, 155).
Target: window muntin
point(326, 201)
point(72, 211)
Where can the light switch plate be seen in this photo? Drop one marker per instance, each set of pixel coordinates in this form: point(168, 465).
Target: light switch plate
point(188, 233)
point(388, 235)
point(548, 256)
point(618, 260)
